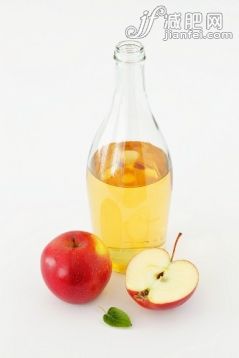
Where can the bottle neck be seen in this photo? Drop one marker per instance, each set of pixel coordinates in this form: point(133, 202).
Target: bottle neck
point(130, 80)
point(130, 111)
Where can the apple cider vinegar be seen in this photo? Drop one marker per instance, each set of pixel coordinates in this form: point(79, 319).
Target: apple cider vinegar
point(129, 166)
point(129, 186)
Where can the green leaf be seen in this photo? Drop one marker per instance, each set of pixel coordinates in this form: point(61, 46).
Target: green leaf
point(117, 318)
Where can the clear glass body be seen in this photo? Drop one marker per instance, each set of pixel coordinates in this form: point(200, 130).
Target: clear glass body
point(129, 173)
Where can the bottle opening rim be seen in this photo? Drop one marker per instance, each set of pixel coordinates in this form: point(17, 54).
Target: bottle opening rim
point(130, 51)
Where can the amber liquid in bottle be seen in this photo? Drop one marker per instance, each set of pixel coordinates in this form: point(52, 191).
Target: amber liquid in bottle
point(129, 185)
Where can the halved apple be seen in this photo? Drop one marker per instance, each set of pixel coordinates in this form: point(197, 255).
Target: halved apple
point(155, 281)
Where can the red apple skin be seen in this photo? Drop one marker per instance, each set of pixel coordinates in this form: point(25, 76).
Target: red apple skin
point(158, 306)
point(76, 266)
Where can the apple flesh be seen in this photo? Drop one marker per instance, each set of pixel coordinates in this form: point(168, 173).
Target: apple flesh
point(154, 281)
point(76, 266)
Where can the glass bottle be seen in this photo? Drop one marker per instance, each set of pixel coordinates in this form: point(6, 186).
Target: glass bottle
point(129, 173)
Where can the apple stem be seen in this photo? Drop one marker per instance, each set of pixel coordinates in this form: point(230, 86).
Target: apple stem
point(175, 245)
point(74, 243)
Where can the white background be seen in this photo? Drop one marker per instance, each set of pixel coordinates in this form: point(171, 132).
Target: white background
point(56, 84)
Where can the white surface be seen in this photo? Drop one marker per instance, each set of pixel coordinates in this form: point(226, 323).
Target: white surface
point(56, 84)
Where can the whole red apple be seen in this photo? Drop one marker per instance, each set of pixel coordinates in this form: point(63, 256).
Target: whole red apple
point(76, 266)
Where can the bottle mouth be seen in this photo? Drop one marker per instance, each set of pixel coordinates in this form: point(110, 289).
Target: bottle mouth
point(129, 51)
